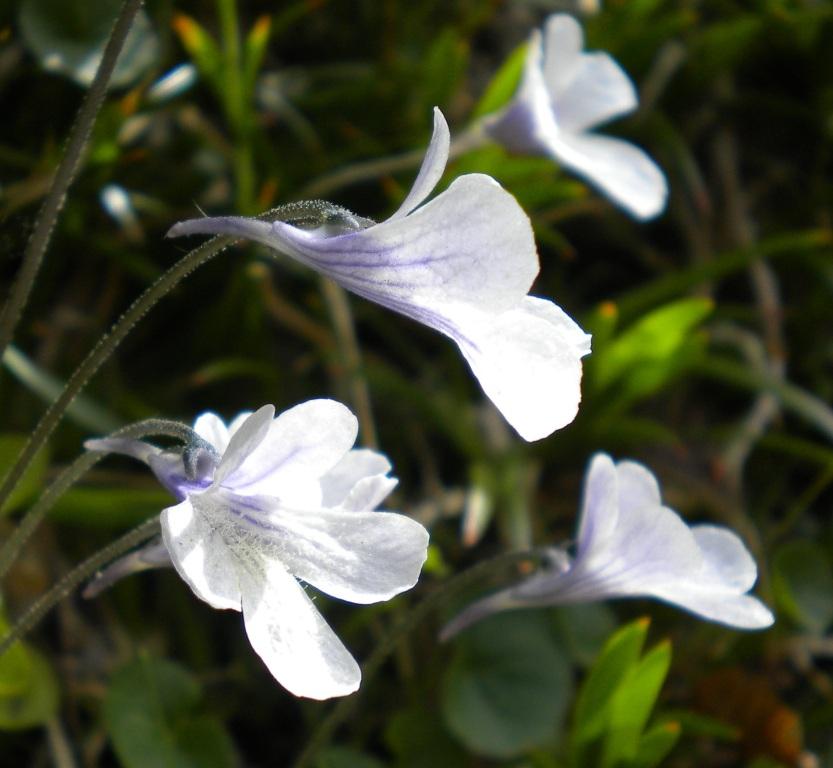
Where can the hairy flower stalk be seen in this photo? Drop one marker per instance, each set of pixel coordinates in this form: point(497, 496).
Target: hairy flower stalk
point(270, 500)
point(564, 94)
point(462, 264)
point(630, 545)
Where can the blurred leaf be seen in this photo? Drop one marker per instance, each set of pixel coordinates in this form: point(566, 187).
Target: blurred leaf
point(151, 715)
point(417, 739)
point(109, 507)
point(254, 49)
point(696, 724)
point(655, 745)
point(643, 357)
point(201, 47)
point(595, 697)
point(344, 757)
point(28, 688)
point(632, 704)
point(584, 628)
point(507, 686)
point(69, 36)
point(32, 481)
point(803, 582)
point(503, 85)
point(444, 65)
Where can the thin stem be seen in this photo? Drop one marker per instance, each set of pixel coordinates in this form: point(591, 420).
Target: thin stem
point(472, 138)
point(71, 475)
point(54, 202)
point(405, 626)
point(105, 347)
point(348, 346)
point(71, 580)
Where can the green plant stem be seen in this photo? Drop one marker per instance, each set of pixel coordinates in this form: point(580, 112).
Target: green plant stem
point(55, 198)
point(71, 475)
point(35, 612)
point(404, 627)
point(105, 347)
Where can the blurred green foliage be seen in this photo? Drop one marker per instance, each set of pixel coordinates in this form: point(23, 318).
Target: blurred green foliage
point(690, 342)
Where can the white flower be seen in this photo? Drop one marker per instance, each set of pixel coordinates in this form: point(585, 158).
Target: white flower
point(565, 93)
point(268, 501)
point(630, 545)
point(462, 264)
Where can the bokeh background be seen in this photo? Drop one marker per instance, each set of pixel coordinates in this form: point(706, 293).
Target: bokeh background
point(712, 363)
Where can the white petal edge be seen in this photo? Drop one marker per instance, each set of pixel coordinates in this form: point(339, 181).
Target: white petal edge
point(356, 465)
point(563, 42)
point(286, 630)
point(250, 434)
point(618, 168)
point(528, 362)
point(727, 560)
point(432, 168)
point(637, 487)
point(600, 507)
point(211, 428)
point(200, 555)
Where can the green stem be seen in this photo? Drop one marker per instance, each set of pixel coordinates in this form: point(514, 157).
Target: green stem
point(54, 202)
point(105, 347)
point(81, 572)
point(71, 475)
point(406, 625)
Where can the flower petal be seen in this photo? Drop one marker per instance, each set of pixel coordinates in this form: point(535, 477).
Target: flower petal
point(620, 169)
point(363, 557)
point(244, 441)
point(598, 91)
point(358, 481)
point(637, 487)
point(528, 362)
point(600, 508)
point(433, 166)
point(302, 444)
point(290, 635)
point(562, 50)
point(727, 561)
point(210, 427)
point(194, 535)
point(734, 610)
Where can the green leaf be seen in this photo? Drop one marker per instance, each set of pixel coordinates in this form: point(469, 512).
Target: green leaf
point(28, 688)
point(632, 704)
point(110, 507)
point(344, 757)
point(417, 739)
point(646, 354)
point(803, 581)
point(201, 47)
point(68, 37)
point(254, 49)
point(504, 84)
point(32, 480)
point(656, 744)
point(594, 700)
point(152, 717)
point(583, 629)
point(508, 685)
point(443, 66)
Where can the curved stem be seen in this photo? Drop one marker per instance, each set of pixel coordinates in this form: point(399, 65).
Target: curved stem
point(105, 347)
point(54, 202)
point(71, 475)
point(68, 583)
point(405, 626)
point(472, 138)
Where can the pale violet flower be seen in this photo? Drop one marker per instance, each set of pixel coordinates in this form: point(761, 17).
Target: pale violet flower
point(630, 545)
point(564, 93)
point(267, 501)
point(462, 264)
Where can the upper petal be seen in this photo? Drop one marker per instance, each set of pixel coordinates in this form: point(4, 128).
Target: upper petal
point(433, 166)
point(301, 445)
point(290, 635)
point(637, 487)
point(528, 361)
point(727, 562)
point(562, 51)
point(197, 537)
point(600, 508)
point(620, 169)
point(735, 610)
point(598, 91)
point(358, 481)
point(211, 428)
point(244, 441)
